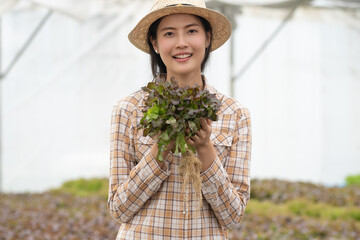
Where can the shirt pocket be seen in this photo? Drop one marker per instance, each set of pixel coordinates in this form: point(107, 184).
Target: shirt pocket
point(222, 143)
point(222, 135)
point(145, 140)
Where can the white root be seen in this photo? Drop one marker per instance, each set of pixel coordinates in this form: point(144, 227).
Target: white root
point(190, 168)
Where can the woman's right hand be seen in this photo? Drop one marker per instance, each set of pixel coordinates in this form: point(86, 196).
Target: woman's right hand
point(154, 151)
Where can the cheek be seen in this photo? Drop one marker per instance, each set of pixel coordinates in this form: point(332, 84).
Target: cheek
point(202, 48)
point(164, 45)
point(201, 44)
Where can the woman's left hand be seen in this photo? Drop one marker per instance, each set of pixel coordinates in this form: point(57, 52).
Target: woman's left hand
point(202, 137)
point(204, 147)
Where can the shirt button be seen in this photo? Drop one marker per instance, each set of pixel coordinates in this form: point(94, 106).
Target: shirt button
point(184, 212)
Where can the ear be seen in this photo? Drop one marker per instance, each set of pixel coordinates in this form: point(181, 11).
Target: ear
point(208, 39)
point(154, 43)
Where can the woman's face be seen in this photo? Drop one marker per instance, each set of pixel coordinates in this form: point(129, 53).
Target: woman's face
point(181, 42)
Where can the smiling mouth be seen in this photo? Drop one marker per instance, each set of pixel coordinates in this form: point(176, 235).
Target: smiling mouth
point(182, 56)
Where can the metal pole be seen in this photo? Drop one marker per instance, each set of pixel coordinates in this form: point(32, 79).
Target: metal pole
point(230, 11)
point(6, 71)
point(263, 46)
point(232, 72)
point(27, 43)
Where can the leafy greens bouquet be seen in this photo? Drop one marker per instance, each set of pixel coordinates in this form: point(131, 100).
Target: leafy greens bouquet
point(170, 110)
point(172, 113)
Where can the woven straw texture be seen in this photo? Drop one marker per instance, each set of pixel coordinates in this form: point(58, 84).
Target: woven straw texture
point(221, 27)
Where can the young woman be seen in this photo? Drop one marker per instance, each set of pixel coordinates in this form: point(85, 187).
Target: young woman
point(145, 194)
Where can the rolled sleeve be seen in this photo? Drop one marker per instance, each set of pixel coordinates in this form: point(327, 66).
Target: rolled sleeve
point(131, 184)
point(226, 184)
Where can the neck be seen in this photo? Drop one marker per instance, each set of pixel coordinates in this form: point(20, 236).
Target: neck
point(189, 80)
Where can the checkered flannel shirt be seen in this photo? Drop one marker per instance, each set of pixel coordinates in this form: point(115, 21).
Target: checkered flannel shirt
point(147, 200)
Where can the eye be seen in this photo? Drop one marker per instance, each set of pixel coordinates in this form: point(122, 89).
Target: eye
point(168, 34)
point(193, 31)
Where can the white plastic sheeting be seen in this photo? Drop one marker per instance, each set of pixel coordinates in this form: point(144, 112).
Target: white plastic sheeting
point(6, 5)
point(302, 93)
point(85, 9)
point(81, 10)
point(57, 100)
point(289, 3)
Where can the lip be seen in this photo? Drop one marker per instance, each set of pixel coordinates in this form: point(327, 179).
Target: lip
point(182, 59)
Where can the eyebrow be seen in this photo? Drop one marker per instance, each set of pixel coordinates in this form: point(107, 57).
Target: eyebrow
point(172, 28)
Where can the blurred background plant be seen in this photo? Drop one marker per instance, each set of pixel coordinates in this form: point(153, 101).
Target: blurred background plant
point(353, 180)
point(84, 187)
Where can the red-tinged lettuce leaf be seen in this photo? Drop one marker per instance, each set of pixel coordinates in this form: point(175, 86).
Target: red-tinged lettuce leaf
point(170, 110)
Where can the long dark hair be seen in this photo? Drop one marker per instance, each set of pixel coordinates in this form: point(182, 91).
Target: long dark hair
point(157, 65)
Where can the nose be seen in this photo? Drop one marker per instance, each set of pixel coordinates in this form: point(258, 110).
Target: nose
point(181, 41)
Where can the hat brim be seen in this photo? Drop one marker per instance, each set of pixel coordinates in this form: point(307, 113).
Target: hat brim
point(221, 27)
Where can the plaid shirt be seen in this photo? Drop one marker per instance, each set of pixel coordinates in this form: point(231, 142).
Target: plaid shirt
point(148, 201)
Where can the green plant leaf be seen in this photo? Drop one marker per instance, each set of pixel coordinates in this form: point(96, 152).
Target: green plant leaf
point(170, 110)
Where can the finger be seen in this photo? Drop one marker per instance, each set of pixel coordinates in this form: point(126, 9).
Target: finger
point(190, 141)
point(210, 125)
point(208, 121)
point(196, 137)
point(154, 137)
point(171, 144)
point(204, 124)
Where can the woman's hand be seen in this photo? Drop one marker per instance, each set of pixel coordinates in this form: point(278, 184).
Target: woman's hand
point(204, 147)
point(154, 151)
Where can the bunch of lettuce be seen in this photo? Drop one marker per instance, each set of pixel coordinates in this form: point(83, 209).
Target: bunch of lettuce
point(170, 110)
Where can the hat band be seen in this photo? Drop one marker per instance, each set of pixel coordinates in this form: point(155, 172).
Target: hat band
point(179, 5)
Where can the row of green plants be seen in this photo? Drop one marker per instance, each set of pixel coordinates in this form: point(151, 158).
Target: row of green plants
point(84, 187)
point(269, 197)
point(273, 190)
point(353, 180)
point(279, 191)
point(277, 210)
point(304, 208)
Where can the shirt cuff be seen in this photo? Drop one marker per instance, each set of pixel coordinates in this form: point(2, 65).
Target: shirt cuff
point(148, 169)
point(156, 165)
point(214, 176)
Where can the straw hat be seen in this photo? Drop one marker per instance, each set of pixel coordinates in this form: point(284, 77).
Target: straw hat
point(221, 27)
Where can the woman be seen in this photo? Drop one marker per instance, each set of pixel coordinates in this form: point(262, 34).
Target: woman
point(144, 193)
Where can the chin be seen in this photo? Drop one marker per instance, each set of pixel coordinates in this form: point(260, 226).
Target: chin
point(185, 71)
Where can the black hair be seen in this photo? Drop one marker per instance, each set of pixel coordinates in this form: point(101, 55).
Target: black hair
point(157, 65)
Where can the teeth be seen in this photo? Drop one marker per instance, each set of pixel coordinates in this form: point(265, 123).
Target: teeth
point(182, 56)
